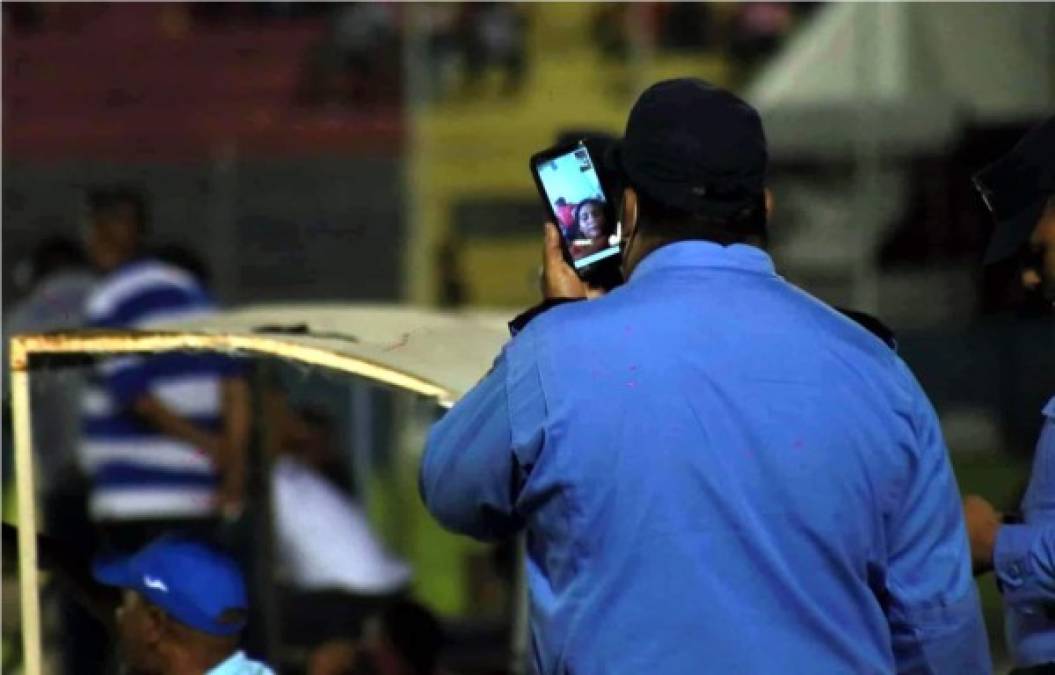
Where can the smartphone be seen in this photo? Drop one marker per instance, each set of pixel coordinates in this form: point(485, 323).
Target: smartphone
point(575, 196)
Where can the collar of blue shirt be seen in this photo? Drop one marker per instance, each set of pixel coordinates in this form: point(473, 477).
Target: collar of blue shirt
point(742, 257)
point(239, 664)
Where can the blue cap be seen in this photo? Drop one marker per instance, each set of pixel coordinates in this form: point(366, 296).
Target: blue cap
point(193, 583)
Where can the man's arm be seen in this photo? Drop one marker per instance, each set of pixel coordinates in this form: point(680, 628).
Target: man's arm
point(158, 415)
point(1024, 560)
point(226, 448)
point(479, 455)
point(932, 604)
point(466, 478)
point(1023, 556)
point(237, 425)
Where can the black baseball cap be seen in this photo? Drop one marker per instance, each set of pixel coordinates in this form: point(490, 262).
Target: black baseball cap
point(1016, 188)
point(693, 146)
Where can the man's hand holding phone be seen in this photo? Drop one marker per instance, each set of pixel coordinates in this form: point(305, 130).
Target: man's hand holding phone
point(559, 280)
point(579, 201)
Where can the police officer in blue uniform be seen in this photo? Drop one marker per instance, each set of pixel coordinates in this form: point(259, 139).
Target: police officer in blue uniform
point(1019, 191)
point(715, 471)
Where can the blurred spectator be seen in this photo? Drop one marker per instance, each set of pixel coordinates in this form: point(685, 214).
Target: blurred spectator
point(495, 39)
point(57, 280)
point(54, 282)
point(337, 569)
point(357, 62)
point(404, 639)
point(175, 606)
point(324, 537)
point(610, 31)
point(686, 26)
point(758, 29)
point(164, 436)
point(441, 23)
point(183, 606)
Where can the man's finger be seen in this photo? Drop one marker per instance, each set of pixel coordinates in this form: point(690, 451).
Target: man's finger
point(552, 244)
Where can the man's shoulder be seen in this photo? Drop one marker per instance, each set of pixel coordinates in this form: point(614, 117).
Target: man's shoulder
point(872, 324)
point(866, 332)
point(578, 317)
point(148, 282)
point(143, 274)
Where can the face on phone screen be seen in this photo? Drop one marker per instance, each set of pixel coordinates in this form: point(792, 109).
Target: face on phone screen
point(584, 216)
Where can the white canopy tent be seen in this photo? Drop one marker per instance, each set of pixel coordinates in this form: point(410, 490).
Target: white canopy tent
point(437, 355)
point(907, 75)
point(865, 83)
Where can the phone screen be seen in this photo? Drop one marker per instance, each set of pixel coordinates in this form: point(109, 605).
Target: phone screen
point(584, 216)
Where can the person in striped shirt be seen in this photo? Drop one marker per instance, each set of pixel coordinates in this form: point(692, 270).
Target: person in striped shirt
point(164, 436)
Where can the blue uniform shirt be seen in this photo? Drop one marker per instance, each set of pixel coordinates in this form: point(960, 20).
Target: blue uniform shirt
point(717, 473)
point(1024, 558)
point(239, 664)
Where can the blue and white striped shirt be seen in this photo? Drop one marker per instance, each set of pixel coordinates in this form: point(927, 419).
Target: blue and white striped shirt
point(136, 471)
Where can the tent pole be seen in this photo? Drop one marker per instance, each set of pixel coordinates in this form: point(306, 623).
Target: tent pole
point(27, 516)
point(867, 163)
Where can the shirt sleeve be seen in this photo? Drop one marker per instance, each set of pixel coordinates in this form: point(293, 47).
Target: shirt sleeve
point(126, 378)
point(1024, 555)
point(1038, 505)
point(1024, 558)
point(478, 455)
point(932, 604)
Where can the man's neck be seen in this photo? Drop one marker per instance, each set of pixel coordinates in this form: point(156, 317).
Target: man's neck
point(124, 261)
point(190, 663)
point(649, 245)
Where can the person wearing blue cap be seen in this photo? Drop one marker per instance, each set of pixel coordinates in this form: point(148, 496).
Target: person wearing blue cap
point(183, 607)
point(739, 479)
point(178, 604)
point(1019, 190)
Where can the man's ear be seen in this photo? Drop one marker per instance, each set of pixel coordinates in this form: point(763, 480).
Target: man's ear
point(769, 204)
point(155, 625)
point(629, 217)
